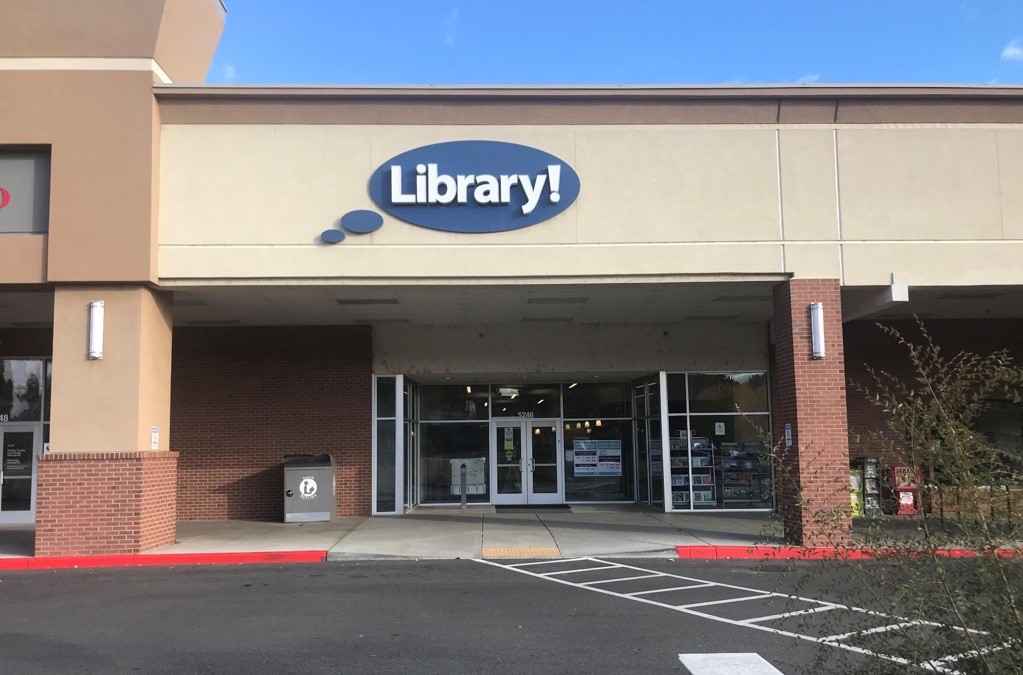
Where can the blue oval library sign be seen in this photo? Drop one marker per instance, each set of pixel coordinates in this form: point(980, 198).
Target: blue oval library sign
point(474, 186)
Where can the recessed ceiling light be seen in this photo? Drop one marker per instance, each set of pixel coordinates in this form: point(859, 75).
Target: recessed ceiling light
point(367, 301)
point(557, 301)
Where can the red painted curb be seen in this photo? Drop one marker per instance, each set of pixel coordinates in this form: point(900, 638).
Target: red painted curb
point(163, 560)
point(819, 553)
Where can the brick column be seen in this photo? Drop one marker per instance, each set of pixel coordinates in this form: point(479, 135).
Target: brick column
point(809, 395)
point(105, 503)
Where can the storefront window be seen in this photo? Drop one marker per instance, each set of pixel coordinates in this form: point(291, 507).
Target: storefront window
point(731, 468)
point(534, 400)
point(728, 392)
point(386, 445)
point(598, 460)
point(454, 402)
point(385, 466)
point(676, 393)
point(443, 449)
point(21, 391)
point(602, 400)
point(1001, 424)
point(385, 397)
point(48, 391)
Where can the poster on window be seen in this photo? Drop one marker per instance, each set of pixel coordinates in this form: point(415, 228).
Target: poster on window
point(597, 457)
point(475, 476)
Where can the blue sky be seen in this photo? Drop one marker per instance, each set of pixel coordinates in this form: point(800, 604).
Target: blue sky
point(615, 42)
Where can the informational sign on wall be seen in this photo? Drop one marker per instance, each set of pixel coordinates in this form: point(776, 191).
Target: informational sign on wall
point(474, 186)
point(465, 186)
point(597, 457)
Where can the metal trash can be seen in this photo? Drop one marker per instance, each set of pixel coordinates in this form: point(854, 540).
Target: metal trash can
point(309, 488)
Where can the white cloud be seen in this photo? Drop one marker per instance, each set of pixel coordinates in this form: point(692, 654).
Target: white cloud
point(451, 27)
point(1013, 51)
point(809, 78)
point(230, 73)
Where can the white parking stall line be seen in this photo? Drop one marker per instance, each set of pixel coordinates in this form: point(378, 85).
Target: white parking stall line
point(552, 562)
point(611, 581)
point(871, 631)
point(745, 598)
point(973, 653)
point(798, 612)
point(757, 623)
point(672, 588)
point(581, 569)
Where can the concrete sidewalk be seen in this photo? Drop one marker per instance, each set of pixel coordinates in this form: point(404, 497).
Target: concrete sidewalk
point(475, 532)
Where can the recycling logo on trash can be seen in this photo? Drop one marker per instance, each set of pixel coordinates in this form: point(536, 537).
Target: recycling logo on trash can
point(307, 488)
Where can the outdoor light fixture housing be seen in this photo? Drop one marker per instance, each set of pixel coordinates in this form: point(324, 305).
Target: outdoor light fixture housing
point(817, 330)
point(96, 330)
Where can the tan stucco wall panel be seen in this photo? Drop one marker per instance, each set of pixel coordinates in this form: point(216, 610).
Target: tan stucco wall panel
point(480, 261)
point(1010, 169)
point(814, 261)
point(265, 185)
point(808, 193)
point(181, 35)
point(189, 33)
point(644, 184)
point(110, 404)
point(934, 264)
point(155, 336)
point(95, 403)
point(924, 183)
point(239, 187)
point(99, 127)
point(99, 28)
point(22, 258)
point(249, 201)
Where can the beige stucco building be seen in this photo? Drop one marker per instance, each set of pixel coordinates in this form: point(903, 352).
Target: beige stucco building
point(667, 306)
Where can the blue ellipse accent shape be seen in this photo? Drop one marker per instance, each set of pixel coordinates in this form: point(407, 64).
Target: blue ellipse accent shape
point(476, 158)
point(362, 221)
point(332, 236)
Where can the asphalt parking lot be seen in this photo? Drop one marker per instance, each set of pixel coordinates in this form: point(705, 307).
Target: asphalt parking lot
point(459, 616)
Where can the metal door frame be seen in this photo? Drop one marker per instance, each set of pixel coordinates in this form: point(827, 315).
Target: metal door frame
point(525, 426)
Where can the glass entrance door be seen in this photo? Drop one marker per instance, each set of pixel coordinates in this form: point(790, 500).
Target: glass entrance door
point(507, 457)
point(545, 480)
point(527, 459)
point(19, 447)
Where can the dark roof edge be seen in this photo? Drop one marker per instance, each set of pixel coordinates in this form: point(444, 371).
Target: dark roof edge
point(589, 92)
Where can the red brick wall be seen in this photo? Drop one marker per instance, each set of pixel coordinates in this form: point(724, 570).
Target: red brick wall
point(105, 503)
point(810, 395)
point(867, 345)
point(243, 398)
